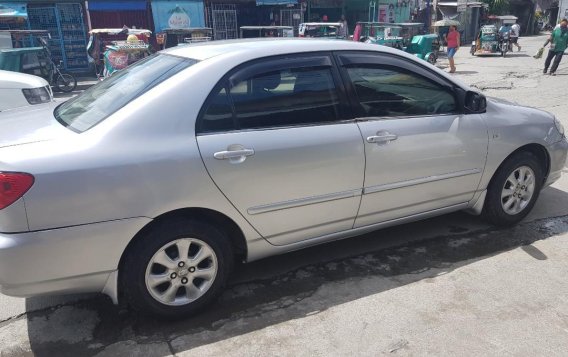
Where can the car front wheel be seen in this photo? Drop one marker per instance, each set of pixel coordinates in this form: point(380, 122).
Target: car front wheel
point(176, 269)
point(513, 190)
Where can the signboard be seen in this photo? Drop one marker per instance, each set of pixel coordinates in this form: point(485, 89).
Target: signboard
point(177, 14)
point(462, 5)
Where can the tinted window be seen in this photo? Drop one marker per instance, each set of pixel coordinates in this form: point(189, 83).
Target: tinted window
point(286, 97)
point(98, 102)
point(393, 92)
point(218, 115)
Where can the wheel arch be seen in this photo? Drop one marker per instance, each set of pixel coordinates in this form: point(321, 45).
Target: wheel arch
point(536, 149)
point(216, 218)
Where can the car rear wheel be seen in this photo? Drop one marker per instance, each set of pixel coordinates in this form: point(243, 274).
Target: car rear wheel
point(174, 270)
point(513, 190)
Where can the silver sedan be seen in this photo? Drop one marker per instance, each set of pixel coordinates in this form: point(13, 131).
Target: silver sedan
point(149, 185)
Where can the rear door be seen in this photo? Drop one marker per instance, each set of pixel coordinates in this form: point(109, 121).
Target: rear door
point(276, 138)
point(422, 152)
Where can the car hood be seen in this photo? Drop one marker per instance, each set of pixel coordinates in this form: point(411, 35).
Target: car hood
point(30, 124)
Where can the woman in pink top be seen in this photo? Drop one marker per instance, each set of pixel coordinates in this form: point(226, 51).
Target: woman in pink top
point(453, 40)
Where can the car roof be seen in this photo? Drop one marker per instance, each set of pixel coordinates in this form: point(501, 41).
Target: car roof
point(16, 80)
point(233, 52)
point(263, 47)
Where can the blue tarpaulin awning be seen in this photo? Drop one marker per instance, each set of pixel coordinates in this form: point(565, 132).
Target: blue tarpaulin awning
point(13, 10)
point(276, 2)
point(98, 5)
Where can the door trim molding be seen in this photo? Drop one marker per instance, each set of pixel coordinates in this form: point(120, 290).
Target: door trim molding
point(418, 181)
point(304, 201)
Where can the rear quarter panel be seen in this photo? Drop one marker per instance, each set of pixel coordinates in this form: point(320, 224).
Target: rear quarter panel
point(142, 161)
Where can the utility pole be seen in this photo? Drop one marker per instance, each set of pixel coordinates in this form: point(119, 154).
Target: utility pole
point(428, 17)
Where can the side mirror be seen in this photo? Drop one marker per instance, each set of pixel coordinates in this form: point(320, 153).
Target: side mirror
point(475, 102)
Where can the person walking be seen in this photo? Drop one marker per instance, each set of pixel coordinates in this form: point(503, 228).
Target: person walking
point(515, 33)
point(343, 31)
point(558, 40)
point(453, 44)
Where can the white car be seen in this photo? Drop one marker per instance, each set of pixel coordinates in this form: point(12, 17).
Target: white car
point(20, 90)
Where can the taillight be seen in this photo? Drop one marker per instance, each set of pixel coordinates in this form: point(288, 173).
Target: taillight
point(13, 185)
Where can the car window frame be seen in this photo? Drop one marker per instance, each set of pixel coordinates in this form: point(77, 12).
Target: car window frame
point(273, 63)
point(371, 58)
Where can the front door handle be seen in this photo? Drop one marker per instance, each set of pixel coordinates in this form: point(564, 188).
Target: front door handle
point(381, 138)
point(233, 154)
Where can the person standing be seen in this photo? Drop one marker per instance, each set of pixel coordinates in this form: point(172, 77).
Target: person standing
point(343, 31)
point(558, 42)
point(515, 33)
point(453, 43)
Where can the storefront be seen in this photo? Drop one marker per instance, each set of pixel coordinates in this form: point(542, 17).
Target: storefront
point(64, 21)
point(325, 10)
point(116, 14)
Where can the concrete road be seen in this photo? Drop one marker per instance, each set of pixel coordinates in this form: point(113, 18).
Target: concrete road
point(446, 286)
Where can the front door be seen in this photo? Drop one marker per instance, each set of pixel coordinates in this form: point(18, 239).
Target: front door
point(275, 141)
point(421, 152)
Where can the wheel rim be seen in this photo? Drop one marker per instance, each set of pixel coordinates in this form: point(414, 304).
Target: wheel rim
point(518, 190)
point(181, 271)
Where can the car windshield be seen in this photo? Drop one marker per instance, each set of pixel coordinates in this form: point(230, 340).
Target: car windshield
point(100, 101)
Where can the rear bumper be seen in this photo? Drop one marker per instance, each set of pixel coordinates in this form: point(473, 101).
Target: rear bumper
point(558, 153)
point(66, 260)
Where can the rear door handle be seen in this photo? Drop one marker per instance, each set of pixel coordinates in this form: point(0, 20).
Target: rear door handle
point(383, 138)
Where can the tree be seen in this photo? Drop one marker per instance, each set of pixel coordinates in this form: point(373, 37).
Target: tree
point(498, 7)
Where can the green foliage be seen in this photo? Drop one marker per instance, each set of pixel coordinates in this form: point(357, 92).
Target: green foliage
point(498, 7)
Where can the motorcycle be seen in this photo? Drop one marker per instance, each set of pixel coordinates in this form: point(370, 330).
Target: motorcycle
point(505, 44)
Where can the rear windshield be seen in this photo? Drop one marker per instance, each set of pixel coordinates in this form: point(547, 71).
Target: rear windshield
point(100, 101)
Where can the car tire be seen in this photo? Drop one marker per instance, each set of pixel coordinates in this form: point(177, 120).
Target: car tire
point(173, 290)
point(513, 190)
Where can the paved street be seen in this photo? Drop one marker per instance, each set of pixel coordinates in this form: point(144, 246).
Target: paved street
point(442, 287)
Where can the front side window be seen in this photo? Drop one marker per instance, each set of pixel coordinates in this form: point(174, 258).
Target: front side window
point(393, 92)
point(100, 101)
point(288, 97)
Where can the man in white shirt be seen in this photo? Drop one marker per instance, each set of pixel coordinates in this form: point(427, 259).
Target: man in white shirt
point(515, 32)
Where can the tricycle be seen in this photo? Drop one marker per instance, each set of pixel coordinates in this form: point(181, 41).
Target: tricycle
point(408, 30)
point(379, 33)
point(487, 41)
point(425, 47)
point(319, 29)
point(266, 31)
point(115, 49)
point(173, 37)
point(32, 55)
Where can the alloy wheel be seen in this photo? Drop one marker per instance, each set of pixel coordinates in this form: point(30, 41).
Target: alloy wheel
point(181, 271)
point(518, 190)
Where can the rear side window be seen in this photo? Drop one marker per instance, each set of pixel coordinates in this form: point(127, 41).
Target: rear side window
point(385, 91)
point(219, 115)
point(100, 101)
